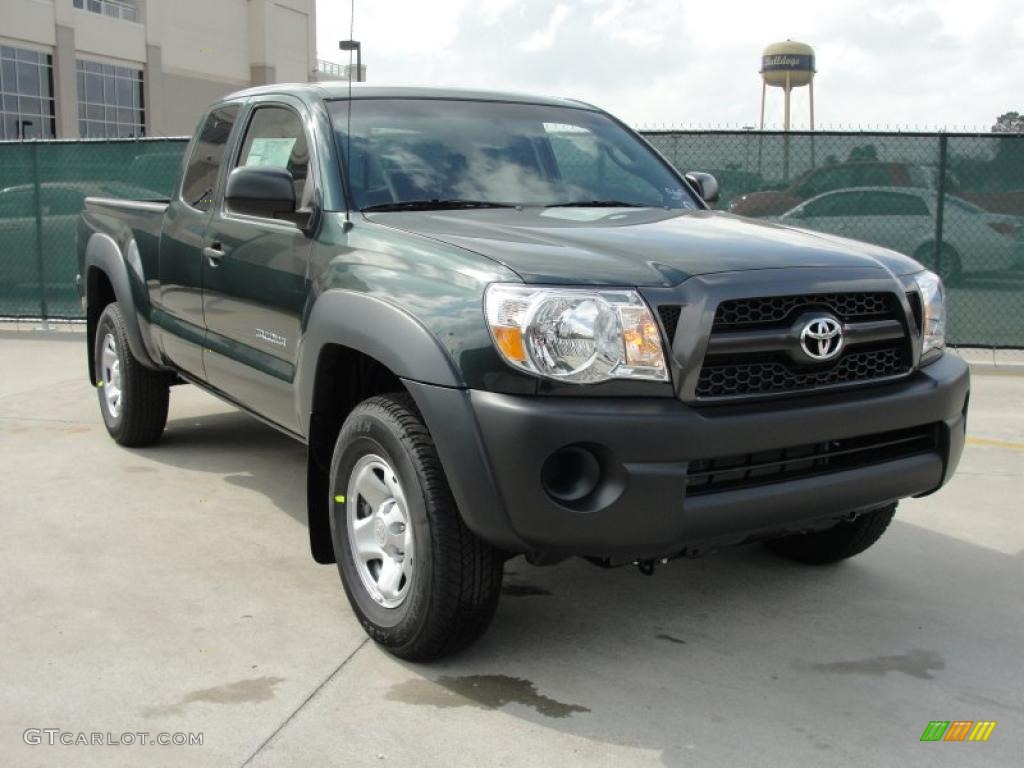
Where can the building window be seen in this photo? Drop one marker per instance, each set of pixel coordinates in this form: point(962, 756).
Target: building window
point(118, 9)
point(26, 94)
point(109, 101)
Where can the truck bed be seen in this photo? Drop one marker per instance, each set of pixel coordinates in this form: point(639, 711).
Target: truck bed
point(123, 221)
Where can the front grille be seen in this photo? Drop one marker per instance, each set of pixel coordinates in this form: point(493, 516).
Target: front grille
point(748, 470)
point(914, 299)
point(739, 362)
point(770, 310)
point(759, 378)
point(669, 314)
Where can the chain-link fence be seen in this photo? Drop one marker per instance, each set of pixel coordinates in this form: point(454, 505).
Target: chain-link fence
point(883, 188)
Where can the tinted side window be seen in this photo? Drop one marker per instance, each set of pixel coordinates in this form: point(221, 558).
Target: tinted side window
point(843, 204)
point(207, 156)
point(888, 204)
point(275, 138)
point(893, 204)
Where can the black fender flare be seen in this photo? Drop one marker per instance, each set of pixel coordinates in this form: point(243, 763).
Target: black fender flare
point(103, 254)
point(376, 328)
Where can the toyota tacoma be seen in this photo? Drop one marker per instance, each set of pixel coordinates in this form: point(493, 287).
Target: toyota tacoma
point(504, 325)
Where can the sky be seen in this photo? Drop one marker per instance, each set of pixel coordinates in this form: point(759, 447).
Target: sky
point(893, 64)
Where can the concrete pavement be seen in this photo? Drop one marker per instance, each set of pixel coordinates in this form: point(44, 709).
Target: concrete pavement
point(170, 590)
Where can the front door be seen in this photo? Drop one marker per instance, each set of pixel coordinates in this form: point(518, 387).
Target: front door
point(255, 278)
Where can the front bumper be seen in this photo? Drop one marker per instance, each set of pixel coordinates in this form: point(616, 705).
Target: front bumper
point(494, 448)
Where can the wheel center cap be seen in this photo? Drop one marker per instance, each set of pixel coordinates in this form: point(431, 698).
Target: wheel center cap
point(380, 530)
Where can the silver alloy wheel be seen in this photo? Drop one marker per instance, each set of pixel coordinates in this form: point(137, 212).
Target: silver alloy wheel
point(110, 364)
point(380, 533)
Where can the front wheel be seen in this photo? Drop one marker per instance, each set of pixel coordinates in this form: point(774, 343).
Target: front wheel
point(848, 538)
point(420, 582)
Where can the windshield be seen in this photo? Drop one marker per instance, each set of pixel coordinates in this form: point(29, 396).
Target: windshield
point(408, 153)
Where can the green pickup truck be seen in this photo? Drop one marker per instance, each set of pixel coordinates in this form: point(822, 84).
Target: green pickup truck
point(504, 325)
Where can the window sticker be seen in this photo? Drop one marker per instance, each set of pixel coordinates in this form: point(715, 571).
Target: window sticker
point(270, 152)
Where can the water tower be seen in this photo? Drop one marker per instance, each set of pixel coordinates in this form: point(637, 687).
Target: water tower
point(787, 65)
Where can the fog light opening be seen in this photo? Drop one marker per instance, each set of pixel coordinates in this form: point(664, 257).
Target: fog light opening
point(571, 474)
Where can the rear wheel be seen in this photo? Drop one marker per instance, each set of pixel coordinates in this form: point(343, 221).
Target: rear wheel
point(848, 538)
point(133, 398)
point(420, 582)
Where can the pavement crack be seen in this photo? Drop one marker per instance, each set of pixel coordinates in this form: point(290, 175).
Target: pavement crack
point(305, 701)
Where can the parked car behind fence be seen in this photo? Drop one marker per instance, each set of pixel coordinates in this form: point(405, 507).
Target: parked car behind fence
point(904, 220)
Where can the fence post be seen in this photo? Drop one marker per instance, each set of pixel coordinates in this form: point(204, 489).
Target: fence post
point(41, 269)
point(940, 205)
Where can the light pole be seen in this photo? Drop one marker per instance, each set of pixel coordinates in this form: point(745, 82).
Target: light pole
point(354, 45)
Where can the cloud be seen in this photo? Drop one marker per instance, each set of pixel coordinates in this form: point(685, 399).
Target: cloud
point(896, 62)
point(543, 39)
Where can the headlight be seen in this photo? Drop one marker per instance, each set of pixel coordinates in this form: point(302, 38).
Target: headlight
point(933, 303)
point(577, 335)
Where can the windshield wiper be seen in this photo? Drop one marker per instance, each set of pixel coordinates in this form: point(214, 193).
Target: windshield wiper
point(434, 205)
point(598, 204)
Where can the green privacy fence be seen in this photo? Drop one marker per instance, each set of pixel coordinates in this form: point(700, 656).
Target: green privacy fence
point(883, 188)
point(42, 186)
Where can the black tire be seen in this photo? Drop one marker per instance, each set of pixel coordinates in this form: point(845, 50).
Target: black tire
point(145, 393)
point(846, 539)
point(950, 268)
point(456, 578)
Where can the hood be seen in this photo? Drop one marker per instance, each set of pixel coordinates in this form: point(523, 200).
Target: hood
point(634, 246)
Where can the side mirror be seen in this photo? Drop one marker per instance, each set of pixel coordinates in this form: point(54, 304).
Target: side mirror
point(261, 191)
point(706, 184)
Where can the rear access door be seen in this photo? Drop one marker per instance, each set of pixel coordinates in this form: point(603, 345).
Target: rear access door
point(177, 298)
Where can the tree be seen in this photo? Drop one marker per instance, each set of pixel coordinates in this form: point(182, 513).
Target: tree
point(863, 152)
point(1009, 122)
point(1008, 163)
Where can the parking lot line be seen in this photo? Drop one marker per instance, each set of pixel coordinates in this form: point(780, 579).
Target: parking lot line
point(987, 441)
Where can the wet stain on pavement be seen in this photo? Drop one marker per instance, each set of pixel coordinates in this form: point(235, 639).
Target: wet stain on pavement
point(250, 691)
point(670, 639)
point(523, 590)
point(480, 691)
point(915, 663)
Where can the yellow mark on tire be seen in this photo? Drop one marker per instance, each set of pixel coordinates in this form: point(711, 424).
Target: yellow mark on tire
point(340, 499)
point(99, 384)
point(989, 442)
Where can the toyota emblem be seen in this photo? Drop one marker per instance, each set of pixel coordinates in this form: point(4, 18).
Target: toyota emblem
point(822, 338)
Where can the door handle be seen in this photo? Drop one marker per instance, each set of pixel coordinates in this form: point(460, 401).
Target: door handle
point(214, 253)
